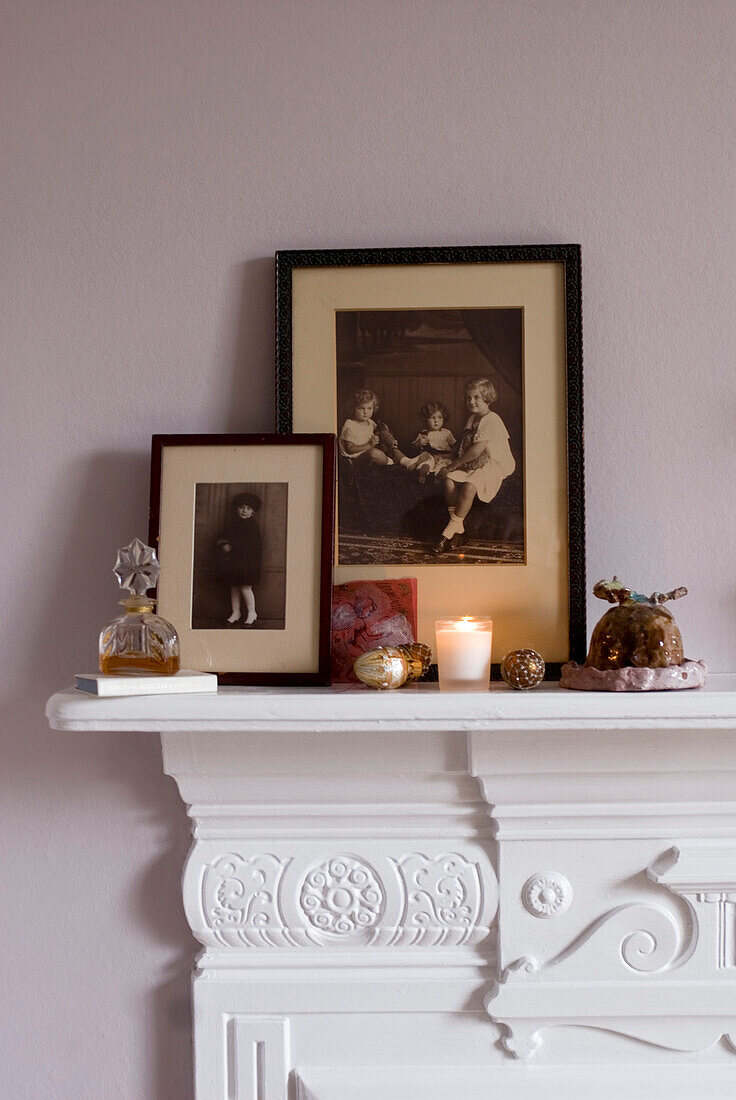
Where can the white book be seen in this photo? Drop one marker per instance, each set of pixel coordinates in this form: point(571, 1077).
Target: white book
point(96, 683)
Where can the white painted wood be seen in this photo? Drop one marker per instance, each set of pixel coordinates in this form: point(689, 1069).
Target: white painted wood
point(259, 1058)
point(411, 894)
point(419, 707)
point(519, 1083)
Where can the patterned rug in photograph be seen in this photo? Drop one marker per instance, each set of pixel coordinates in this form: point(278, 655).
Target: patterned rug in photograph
point(386, 549)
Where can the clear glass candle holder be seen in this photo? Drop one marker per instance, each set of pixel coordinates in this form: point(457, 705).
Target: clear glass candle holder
point(464, 653)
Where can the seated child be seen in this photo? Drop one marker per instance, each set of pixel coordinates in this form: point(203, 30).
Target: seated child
point(484, 460)
point(362, 440)
point(435, 441)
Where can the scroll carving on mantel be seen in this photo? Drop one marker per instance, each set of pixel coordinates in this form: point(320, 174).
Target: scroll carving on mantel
point(703, 873)
point(645, 938)
point(413, 900)
point(639, 969)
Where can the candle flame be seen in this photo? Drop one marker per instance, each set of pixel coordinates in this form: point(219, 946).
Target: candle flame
point(466, 623)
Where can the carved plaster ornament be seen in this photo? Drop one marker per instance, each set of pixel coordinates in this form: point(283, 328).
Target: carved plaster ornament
point(627, 944)
point(547, 894)
point(636, 646)
point(342, 895)
point(412, 900)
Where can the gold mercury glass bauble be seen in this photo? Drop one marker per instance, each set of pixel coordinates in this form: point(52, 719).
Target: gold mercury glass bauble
point(419, 657)
point(382, 668)
point(392, 666)
point(522, 669)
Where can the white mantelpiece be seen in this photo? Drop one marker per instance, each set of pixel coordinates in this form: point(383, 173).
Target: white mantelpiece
point(412, 895)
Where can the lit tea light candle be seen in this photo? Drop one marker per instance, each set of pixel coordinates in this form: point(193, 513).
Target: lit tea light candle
point(464, 653)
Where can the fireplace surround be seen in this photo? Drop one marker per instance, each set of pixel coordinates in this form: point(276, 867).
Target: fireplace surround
point(414, 894)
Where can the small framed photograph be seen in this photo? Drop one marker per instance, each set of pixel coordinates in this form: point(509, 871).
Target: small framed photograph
point(244, 526)
point(453, 380)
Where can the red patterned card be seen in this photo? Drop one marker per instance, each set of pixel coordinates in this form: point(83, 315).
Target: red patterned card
point(366, 614)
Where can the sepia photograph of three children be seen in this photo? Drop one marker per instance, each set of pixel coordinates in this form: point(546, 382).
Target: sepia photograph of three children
point(430, 425)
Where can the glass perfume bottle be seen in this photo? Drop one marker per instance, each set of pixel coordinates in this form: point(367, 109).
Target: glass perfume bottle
point(138, 643)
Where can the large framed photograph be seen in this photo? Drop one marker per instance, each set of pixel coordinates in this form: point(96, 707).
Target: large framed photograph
point(453, 380)
point(244, 526)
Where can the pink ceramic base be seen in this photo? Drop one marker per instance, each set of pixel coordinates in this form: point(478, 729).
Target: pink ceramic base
point(690, 674)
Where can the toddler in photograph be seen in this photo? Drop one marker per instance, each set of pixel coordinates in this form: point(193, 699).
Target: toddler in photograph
point(363, 440)
point(435, 441)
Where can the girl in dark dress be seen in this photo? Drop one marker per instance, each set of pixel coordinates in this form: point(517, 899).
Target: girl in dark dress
point(238, 554)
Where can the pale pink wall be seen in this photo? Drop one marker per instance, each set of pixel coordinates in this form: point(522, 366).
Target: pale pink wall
point(156, 153)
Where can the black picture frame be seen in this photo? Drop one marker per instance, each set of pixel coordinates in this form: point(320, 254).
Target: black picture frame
point(291, 264)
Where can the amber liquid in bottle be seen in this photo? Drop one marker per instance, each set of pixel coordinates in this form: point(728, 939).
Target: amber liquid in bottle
point(138, 665)
point(139, 643)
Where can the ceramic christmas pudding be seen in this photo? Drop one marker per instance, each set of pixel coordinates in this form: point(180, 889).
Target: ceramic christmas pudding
point(636, 646)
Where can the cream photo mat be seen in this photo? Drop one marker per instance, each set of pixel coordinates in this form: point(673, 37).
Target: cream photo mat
point(295, 649)
point(529, 603)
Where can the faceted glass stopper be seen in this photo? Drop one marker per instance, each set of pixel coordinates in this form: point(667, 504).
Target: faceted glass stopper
point(136, 567)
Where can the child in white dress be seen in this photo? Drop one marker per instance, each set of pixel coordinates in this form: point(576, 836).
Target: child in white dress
point(435, 441)
point(483, 462)
point(362, 440)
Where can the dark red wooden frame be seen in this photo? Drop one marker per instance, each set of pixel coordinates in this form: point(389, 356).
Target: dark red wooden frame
point(328, 445)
